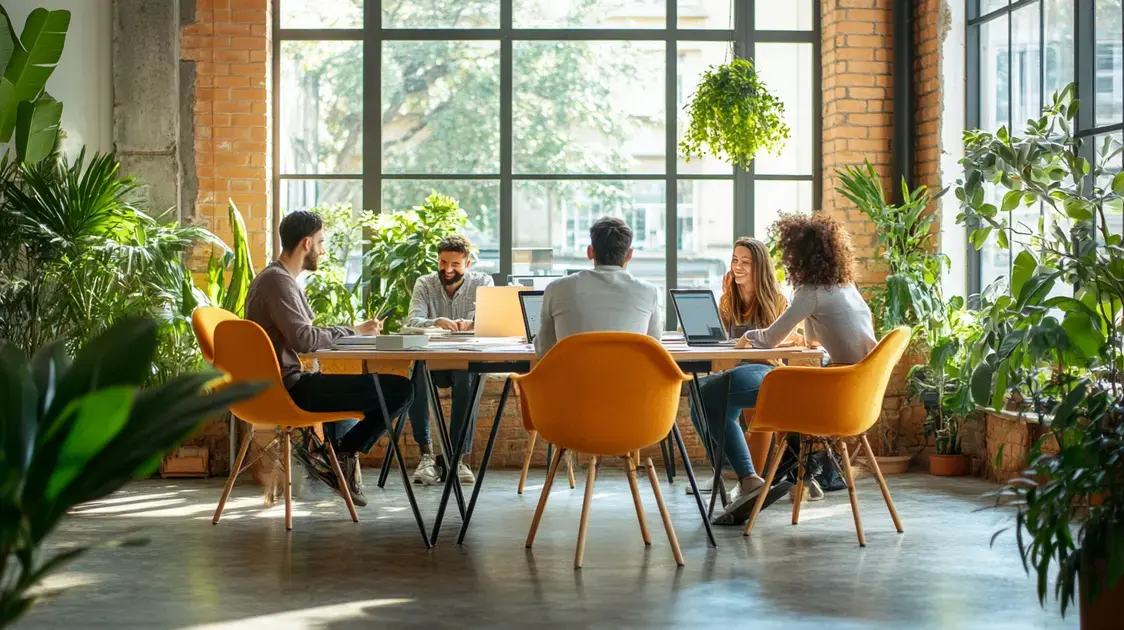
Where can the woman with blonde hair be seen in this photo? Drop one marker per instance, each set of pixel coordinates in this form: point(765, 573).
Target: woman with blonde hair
point(751, 299)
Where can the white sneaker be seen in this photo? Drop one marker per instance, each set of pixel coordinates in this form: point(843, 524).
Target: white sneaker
point(706, 484)
point(426, 472)
point(465, 474)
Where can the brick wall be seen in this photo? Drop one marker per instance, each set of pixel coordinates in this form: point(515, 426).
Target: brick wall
point(933, 20)
point(230, 45)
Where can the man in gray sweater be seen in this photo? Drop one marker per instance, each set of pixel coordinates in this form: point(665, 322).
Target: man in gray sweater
point(277, 304)
point(604, 299)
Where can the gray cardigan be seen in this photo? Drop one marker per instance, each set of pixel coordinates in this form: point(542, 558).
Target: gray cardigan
point(835, 317)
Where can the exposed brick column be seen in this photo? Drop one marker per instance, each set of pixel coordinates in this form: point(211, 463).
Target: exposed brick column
point(931, 25)
point(230, 43)
point(858, 118)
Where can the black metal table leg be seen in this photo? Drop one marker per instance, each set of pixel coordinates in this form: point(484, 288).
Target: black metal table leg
point(439, 416)
point(395, 434)
point(714, 450)
point(484, 463)
point(666, 461)
point(694, 484)
point(401, 462)
point(451, 479)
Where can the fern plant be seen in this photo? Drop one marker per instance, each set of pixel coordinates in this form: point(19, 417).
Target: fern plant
point(734, 116)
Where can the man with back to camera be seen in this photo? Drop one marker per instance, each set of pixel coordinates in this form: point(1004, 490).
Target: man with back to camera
point(606, 298)
point(277, 304)
point(445, 299)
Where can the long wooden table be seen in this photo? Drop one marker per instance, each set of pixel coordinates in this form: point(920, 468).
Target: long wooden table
point(504, 356)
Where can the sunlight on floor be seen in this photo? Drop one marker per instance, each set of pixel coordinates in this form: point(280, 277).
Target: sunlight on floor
point(318, 616)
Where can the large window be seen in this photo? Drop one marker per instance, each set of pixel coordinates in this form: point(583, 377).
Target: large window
point(539, 116)
point(1019, 54)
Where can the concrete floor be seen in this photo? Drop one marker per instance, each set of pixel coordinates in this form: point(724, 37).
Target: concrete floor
point(331, 573)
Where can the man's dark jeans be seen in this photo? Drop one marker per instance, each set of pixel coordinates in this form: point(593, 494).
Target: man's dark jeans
point(316, 391)
point(461, 382)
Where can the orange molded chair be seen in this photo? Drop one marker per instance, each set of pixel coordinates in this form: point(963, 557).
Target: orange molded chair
point(603, 394)
point(244, 351)
point(204, 320)
point(830, 404)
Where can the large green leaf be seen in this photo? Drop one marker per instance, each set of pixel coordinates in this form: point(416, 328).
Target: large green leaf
point(32, 62)
point(981, 381)
point(1083, 333)
point(18, 401)
point(98, 417)
point(8, 40)
point(242, 274)
point(1022, 270)
point(37, 128)
point(47, 368)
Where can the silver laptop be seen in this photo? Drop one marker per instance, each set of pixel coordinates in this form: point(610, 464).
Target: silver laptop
point(698, 315)
point(530, 302)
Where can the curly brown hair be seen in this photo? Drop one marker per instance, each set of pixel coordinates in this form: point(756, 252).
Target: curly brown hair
point(815, 250)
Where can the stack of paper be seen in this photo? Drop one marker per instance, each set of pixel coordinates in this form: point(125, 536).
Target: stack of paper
point(431, 331)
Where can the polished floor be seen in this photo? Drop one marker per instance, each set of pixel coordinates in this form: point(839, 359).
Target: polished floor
point(331, 573)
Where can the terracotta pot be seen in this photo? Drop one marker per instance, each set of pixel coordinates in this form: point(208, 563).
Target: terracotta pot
point(949, 465)
point(1103, 612)
point(889, 464)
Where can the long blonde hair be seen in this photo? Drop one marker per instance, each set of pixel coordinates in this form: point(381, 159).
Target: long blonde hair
point(767, 303)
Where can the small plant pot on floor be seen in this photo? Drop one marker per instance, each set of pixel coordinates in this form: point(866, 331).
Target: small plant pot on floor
point(888, 464)
point(949, 465)
point(1103, 612)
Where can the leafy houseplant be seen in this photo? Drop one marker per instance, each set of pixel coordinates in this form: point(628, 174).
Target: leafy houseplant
point(76, 431)
point(404, 248)
point(943, 384)
point(332, 300)
point(231, 296)
point(1054, 339)
point(26, 109)
point(733, 114)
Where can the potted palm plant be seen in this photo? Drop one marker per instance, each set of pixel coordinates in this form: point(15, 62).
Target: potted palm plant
point(1061, 351)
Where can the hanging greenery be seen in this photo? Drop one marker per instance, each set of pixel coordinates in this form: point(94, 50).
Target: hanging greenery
point(734, 116)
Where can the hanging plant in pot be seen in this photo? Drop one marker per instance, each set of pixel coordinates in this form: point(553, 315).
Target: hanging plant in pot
point(733, 116)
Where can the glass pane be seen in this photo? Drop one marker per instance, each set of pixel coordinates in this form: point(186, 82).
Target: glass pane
point(441, 107)
point(589, 13)
point(321, 107)
point(321, 13)
point(1059, 45)
point(791, 15)
point(551, 219)
point(771, 198)
point(1026, 62)
point(1109, 62)
point(695, 58)
point(480, 199)
point(994, 77)
point(1113, 216)
point(987, 6)
point(706, 231)
point(708, 14)
point(786, 70)
point(588, 107)
point(302, 194)
point(440, 14)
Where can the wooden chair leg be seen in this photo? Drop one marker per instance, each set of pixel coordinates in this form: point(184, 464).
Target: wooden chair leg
point(850, 478)
point(345, 491)
point(545, 494)
point(234, 470)
point(668, 527)
point(570, 469)
point(527, 462)
point(882, 484)
point(635, 488)
point(799, 495)
point(286, 459)
point(583, 526)
point(774, 463)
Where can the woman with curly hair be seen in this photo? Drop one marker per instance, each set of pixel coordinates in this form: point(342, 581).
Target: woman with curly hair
point(751, 299)
point(817, 258)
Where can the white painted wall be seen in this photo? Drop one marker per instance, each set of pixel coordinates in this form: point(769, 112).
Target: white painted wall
point(83, 79)
point(954, 238)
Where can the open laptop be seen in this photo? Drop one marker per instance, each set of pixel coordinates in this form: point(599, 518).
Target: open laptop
point(530, 302)
point(698, 315)
point(497, 312)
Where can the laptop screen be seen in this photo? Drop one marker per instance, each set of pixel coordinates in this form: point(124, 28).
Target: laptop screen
point(531, 303)
point(698, 314)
